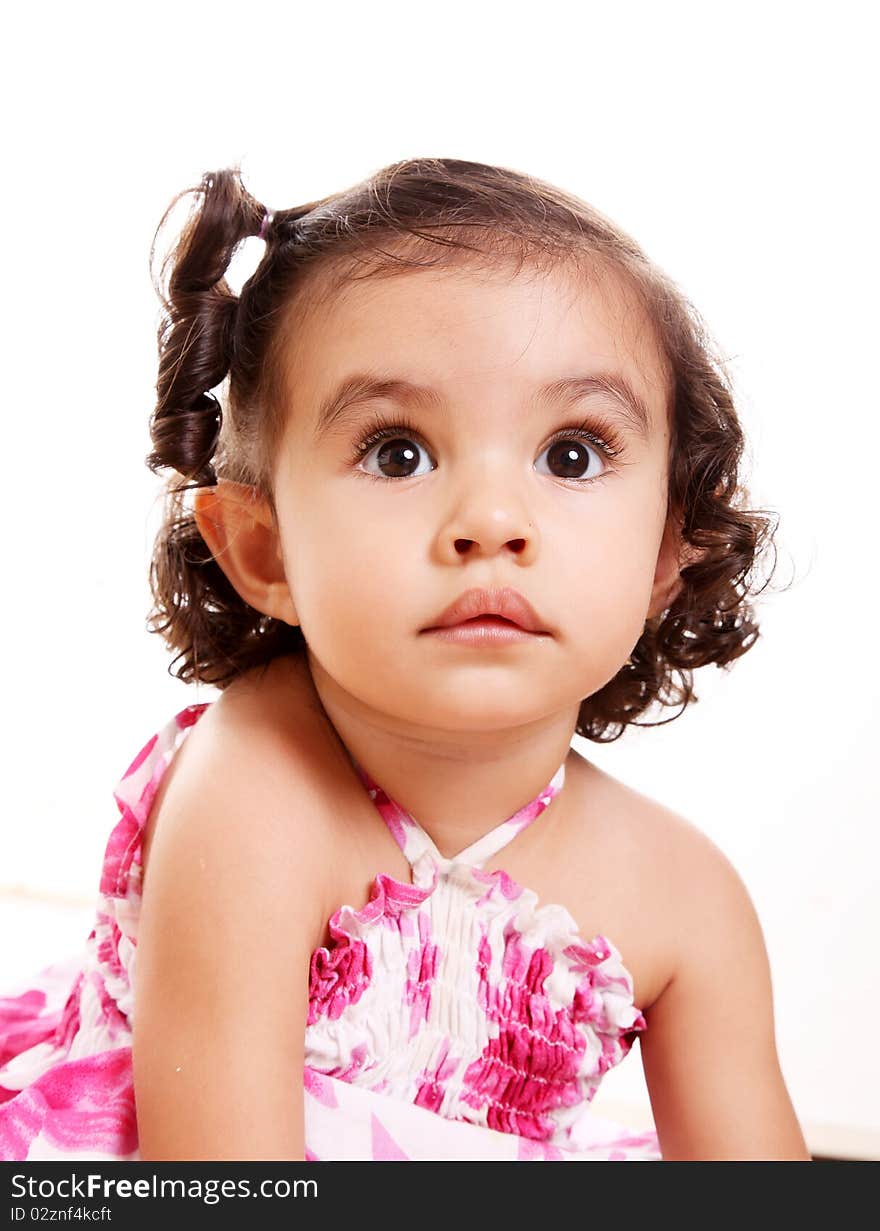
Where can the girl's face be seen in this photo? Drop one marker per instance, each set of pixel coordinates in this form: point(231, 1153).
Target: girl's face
point(489, 486)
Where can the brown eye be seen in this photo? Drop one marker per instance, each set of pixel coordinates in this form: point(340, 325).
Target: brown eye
point(396, 457)
point(572, 457)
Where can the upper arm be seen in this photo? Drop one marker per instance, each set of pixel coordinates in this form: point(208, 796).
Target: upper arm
point(231, 899)
point(709, 1051)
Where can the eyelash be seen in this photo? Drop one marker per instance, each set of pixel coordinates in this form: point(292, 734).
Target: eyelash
point(595, 431)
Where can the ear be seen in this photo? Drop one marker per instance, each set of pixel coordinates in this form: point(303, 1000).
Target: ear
point(667, 575)
point(237, 524)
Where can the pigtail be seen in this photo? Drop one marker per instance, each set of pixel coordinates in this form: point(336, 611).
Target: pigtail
point(197, 329)
point(196, 608)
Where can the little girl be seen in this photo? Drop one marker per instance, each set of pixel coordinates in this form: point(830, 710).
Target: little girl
point(470, 486)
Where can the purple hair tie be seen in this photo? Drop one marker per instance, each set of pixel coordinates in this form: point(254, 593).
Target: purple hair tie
point(267, 219)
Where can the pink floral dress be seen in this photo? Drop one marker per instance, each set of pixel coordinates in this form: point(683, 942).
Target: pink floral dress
point(451, 1018)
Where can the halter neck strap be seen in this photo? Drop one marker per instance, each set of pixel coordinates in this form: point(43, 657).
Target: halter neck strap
point(415, 842)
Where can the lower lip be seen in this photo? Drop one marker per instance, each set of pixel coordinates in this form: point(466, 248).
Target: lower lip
point(483, 632)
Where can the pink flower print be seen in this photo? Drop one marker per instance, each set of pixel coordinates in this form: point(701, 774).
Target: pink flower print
point(484, 958)
point(538, 1151)
point(68, 1026)
point(531, 1066)
point(399, 896)
point(121, 846)
point(431, 1091)
point(389, 901)
point(115, 1021)
point(588, 1005)
point(421, 968)
point(385, 1148)
point(319, 1087)
point(190, 716)
point(497, 879)
point(338, 977)
point(647, 1138)
point(24, 1024)
point(396, 818)
point(356, 1062)
point(611, 1053)
point(108, 936)
point(628, 1037)
point(586, 957)
point(84, 1105)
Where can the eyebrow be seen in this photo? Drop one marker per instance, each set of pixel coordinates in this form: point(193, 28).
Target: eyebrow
point(343, 402)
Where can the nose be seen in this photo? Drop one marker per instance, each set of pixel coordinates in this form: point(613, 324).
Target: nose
point(490, 517)
point(489, 545)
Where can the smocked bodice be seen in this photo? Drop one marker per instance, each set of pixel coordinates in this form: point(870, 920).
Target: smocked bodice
point(460, 993)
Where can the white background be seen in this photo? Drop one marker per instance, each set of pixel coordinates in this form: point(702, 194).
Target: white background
point(736, 143)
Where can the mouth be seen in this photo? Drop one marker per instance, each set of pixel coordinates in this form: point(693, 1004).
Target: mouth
point(484, 631)
point(489, 619)
point(501, 610)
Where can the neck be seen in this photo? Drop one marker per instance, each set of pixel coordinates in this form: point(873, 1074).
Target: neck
point(458, 785)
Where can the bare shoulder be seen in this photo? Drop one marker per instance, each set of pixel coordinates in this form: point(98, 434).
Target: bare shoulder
point(643, 823)
point(234, 897)
point(709, 1051)
point(664, 878)
point(251, 781)
point(690, 883)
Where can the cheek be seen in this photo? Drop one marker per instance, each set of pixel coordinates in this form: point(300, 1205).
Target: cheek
point(611, 558)
point(351, 576)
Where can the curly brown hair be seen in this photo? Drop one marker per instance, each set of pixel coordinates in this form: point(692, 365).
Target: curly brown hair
point(412, 214)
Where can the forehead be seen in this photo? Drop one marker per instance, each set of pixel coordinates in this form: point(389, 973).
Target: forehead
point(474, 332)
